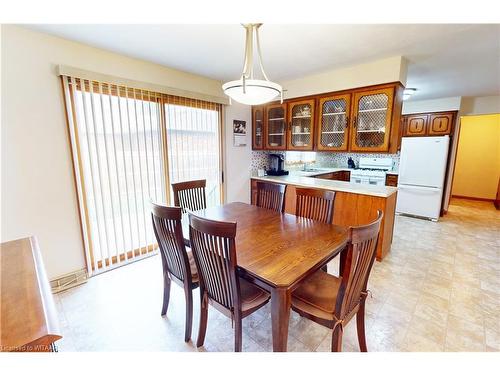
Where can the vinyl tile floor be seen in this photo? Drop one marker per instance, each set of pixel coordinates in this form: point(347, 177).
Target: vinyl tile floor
point(437, 290)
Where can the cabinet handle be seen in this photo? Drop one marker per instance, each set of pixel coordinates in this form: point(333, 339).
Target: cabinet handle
point(355, 122)
point(346, 121)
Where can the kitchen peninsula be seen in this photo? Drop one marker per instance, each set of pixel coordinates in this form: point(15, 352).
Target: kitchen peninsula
point(354, 204)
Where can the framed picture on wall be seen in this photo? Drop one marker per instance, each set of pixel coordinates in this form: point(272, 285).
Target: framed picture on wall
point(239, 133)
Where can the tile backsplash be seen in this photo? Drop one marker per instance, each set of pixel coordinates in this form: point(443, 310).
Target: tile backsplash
point(260, 159)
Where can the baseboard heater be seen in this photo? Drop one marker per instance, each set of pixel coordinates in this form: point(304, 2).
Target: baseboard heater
point(68, 280)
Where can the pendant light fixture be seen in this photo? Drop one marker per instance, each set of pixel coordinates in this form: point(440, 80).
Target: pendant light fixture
point(248, 90)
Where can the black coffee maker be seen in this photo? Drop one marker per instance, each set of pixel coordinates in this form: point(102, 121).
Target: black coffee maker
point(276, 165)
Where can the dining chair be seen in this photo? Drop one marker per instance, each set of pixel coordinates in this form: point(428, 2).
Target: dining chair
point(271, 196)
point(315, 204)
point(214, 249)
point(190, 195)
point(333, 301)
point(178, 263)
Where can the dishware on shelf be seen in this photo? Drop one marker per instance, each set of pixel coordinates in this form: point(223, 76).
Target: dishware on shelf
point(296, 129)
point(299, 143)
point(273, 144)
point(306, 130)
point(306, 112)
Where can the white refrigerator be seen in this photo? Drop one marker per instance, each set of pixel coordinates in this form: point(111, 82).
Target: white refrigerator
point(422, 168)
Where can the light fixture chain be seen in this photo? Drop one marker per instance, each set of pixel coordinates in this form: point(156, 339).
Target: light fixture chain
point(257, 39)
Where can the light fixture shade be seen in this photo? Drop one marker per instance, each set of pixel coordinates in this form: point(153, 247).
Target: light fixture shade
point(256, 91)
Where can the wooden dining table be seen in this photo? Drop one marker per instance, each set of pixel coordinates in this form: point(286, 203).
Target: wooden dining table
point(276, 251)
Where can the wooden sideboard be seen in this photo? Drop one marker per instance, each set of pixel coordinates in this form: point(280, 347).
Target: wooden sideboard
point(28, 315)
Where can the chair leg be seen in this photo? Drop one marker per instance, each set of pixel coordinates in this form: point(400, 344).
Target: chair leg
point(202, 329)
point(166, 293)
point(238, 333)
point(337, 339)
point(360, 324)
point(189, 313)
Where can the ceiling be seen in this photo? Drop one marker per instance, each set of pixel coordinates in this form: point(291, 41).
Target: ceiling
point(444, 59)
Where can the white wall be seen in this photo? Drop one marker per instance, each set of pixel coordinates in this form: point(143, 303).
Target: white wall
point(480, 105)
point(392, 69)
point(38, 191)
point(237, 159)
point(432, 105)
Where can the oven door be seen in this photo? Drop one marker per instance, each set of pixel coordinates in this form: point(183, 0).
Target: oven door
point(380, 181)
point(356, 179)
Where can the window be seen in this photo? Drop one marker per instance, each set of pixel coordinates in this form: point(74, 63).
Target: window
point(128, 146)
point(193, 137)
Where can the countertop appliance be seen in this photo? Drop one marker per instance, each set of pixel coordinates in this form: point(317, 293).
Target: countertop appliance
point(276, 165)
point(421, 176)
point(350, 163)
point(371, 171)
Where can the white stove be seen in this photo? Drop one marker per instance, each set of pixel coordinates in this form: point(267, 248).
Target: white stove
point(371, 171)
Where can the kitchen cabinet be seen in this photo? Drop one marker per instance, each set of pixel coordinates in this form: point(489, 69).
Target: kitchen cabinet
point(300, 125)
point(415, 125)
point(391, 180)
point(440, 124)
point(333, 123)
point(428, 124)
point(275, 127)
point(372, 119)
point(338, 176)
point(356, 120)
point(351, 209)
point(258, 128)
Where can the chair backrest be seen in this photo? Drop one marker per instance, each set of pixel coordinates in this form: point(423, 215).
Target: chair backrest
point(214, 252)
point(356, 266)
point(270, 196)
point(190, 195)
point(168, 231)
point(315, 204)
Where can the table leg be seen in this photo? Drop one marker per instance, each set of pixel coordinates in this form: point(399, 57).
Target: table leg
point(280, 314)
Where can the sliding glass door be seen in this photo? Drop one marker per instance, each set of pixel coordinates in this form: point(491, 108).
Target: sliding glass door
point(193, 143)
point(128, 146)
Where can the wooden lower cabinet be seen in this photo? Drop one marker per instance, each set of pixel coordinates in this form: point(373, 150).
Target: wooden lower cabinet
point(338, 176)
point(391, 180)
point(352, 210)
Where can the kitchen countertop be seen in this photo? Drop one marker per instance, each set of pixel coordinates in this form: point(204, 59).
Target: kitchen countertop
point(347, 187)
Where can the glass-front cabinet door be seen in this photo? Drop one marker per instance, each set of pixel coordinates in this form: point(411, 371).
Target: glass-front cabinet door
point(258, 128)
point(276, 127)
point(372, 120)
point(333, 123)
point(301, 121)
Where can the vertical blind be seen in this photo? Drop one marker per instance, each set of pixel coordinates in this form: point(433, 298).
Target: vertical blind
point(128, 145)
point(193, 137)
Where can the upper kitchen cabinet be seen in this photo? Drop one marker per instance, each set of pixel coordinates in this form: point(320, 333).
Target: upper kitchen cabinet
point(372, 120)
point(440, 123)
point(300, 124)
point(275, 127)
point(257, 128)
point(415, 125)
point(428, 124)
point(333, 123)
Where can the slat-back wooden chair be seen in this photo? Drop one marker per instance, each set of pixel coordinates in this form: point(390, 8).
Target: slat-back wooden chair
point(213, 244)
point(315, 204)
point(332, 301)
point(178, 264)
point(190, 195)
point(271, 196)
